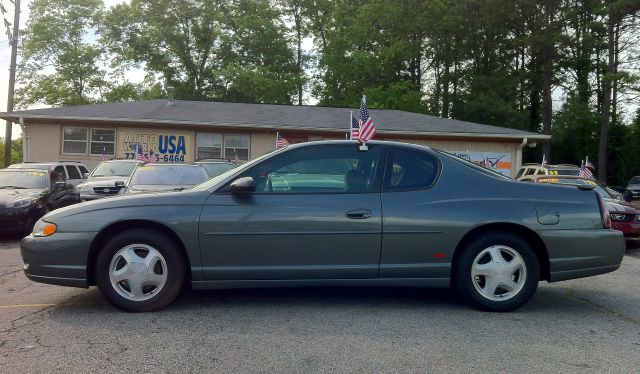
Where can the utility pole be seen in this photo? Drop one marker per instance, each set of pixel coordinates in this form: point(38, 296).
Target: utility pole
point(12, 83)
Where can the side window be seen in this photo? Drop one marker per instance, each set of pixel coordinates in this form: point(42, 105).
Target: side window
point(83, 170)
point(342, 169)
point(408, 169)
point(520, 172)
point(541, 172)
point(55, 177)
point(531, 171)
point(60, 170)
point(73, 173)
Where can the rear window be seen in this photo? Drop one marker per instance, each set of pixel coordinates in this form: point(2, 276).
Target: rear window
point(168, 175)
point(408, 169)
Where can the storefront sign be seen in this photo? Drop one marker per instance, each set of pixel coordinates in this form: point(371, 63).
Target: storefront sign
point(168, 146)
point(500, 162)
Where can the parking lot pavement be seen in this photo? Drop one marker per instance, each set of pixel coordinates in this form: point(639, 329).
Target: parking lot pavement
point(583, 325)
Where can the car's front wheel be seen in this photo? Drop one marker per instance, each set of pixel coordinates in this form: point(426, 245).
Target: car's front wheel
point(140, 270)
point(497, 272)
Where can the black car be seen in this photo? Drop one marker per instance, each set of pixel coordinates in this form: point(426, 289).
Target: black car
point(28, 194)
point(632, 191)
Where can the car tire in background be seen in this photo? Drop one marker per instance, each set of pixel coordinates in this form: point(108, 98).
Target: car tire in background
point(140, 270)
point(497, 272)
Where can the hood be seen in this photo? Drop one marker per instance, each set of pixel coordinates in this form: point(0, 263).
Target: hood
point(148, 188)
point(104, 181)
point(619, 207)
point(11, 194)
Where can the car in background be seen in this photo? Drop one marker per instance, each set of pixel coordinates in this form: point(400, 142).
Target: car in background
point(158, 177)
point(528, 171)
point(330, 213)
point(28, 194)
point(72, 171)
point(216, 167)
point(107, 179)
point(632, 191)
point(624, 217)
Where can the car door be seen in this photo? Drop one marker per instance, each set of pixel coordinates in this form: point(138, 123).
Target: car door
point(412, 238)
point(74, 176)
point(315, 214)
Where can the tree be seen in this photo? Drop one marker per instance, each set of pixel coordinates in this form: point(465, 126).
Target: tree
point(60, 61)
point(16, 151)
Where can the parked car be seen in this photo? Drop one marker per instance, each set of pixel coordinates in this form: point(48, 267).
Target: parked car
point(72, 171)
point(28, 194)
point(632, 191)
point(107, 179)
point(164, 177)
point(395, 215)
point(624, 217)
point(528, 171)
point(216, 167)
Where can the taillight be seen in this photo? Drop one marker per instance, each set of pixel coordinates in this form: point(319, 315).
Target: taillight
point(604, 213)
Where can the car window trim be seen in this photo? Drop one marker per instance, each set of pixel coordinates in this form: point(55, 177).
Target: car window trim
point(224, 190)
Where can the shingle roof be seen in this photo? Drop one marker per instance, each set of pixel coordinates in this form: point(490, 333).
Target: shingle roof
point(283, 117)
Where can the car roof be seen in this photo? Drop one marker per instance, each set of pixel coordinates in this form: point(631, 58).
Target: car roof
point(23, 170)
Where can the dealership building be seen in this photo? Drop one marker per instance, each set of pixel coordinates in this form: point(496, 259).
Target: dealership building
point(185, 131)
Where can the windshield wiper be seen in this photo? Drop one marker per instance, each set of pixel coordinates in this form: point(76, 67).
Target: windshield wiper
point(179, 188)
point(15, 187)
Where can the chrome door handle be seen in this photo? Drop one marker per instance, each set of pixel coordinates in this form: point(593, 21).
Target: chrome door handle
point(358, 213)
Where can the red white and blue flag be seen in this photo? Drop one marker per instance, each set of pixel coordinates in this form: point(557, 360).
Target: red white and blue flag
point(355, 128)
point(103, 156)
point(584, 170)
point(367, 129)
point(281, 141)
point(153, 157)
point(236, 159)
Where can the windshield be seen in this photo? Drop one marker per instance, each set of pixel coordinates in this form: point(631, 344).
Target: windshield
point(635, 180)
point(23, 179)
point(571, 171)
point(489, 172)
point(30, 166)
point(114, 169)
point(215, 180)
point(168, 175)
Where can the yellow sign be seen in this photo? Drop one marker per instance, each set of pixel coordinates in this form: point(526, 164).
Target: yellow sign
point(163, 146)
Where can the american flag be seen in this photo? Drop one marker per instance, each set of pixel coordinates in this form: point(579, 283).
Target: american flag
point(139, 155)
point(355, 128)
point(153, 157)
point(584, 171)
point(281, 141)
point(589, 165)
point(367, 129)
point(236, 159)
point(487, 163)
point(103, 156)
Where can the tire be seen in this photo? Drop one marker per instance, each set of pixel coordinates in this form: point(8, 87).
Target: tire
point(132, 280)
point(497, 272)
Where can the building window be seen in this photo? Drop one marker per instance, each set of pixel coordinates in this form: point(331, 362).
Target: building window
point(209, 145)
point(74, 140)
point(236, 145)
point(103, 142)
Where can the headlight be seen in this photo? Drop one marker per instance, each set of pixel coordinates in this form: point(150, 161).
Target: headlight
point(618, 217)
point(44, 228)
point(82, 188)
point(21, 203)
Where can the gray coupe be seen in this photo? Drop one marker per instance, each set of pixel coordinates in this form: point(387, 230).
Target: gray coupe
point(331, 213)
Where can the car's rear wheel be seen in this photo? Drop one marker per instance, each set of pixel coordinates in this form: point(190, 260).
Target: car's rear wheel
point(140, 270)
point(497, 272)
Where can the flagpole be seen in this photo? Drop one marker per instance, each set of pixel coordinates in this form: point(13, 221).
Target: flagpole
point(277, 136)
point(350, 129)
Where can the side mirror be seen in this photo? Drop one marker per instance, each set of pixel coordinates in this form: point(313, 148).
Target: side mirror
point(242, 185)
point(59, 186)
point(119, 184)
point(85, 175)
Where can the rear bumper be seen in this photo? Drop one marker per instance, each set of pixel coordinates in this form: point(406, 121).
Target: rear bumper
point(582, 253)
point(60, 259)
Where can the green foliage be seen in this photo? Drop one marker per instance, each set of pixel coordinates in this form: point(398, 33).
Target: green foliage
point(16, 151)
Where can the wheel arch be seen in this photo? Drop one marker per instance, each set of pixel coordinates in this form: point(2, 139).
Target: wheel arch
point(117, 227)
point(530, 236)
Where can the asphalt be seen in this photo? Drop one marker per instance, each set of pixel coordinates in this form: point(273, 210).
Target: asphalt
point(589, 325)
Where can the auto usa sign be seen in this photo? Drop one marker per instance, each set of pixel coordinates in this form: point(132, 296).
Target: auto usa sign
point(169, 146)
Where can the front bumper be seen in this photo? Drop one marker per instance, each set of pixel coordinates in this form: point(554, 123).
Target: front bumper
point(58, 259)
point(582, 253)
point(16, 220)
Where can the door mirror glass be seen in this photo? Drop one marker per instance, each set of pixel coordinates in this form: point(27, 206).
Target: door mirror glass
point(242, 185)
point(85, 175)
